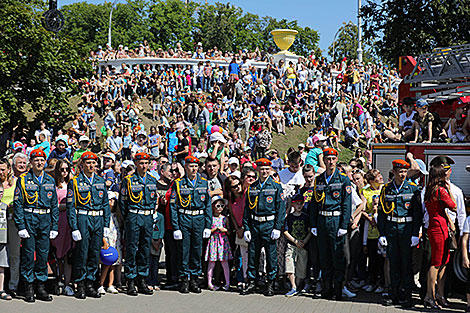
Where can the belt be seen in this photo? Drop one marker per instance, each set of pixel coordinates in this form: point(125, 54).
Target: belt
point(400, 219)
point(38, 211)
point(191, 212)
point(143, 212)
point(91, 213)
point(263, 218)
point(330, 213)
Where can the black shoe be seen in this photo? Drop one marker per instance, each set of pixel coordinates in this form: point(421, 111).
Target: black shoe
point(142, 287)
point(407, 304)
point(131, 290)
point(29, 293)
point(184, 285)
point(41, 293)
point(269, 289)
point(338, 294)
point(80, 291)
point(194, 285)
point(91, 291)
point(251, 288)
point(13, 293)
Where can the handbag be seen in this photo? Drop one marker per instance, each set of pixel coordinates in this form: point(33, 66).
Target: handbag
point(451, 239)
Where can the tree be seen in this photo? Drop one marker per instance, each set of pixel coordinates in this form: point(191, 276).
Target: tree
point(413, 27)
point(172, 21)
point(38, 71)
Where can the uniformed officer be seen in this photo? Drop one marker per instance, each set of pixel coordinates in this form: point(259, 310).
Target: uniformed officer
point(399, 220)
point(88, 215)
point(263, 219)
point(191, 218)
point(138, 202)
point(330, 217)
point(36, 216)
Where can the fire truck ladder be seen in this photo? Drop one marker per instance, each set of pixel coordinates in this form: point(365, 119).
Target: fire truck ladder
point(445, 68)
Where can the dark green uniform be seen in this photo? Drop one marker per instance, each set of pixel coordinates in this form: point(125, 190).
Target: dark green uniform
point(400, 218)
point(36, 210)
point(138, 202)
point(87, 211)
point(191, 212)
point(265, 210)
point(331, 211)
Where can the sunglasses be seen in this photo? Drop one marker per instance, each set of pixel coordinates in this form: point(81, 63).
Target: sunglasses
point(236, 186)
point(64, 169)
point(219, 206)
point(251, 176)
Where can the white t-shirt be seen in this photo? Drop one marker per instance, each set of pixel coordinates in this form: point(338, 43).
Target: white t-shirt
point(303, 75)
point(290, 181)
point(408, 120)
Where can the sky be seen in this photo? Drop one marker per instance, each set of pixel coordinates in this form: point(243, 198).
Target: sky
point(326, 17)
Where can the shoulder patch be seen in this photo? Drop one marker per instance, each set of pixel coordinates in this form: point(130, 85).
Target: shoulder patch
point(17, 191)
point(348, 189)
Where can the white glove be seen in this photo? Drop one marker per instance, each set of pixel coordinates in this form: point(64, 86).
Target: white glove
point(247, 236)
point(23, 234)
point(76, 236)
point(314, 231)
point(53, 234)
point(275, 234)
point(207, 233)
point(414, 241)
point(106, 232)
point(177, 235)
point(342, 232)
point(383, 241)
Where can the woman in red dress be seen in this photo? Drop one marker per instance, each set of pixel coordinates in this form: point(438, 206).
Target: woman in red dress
point(437, 199)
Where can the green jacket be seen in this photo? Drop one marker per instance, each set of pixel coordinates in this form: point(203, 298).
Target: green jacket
point(138, 193)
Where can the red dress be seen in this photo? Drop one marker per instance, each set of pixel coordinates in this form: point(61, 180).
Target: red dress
point(438, 230)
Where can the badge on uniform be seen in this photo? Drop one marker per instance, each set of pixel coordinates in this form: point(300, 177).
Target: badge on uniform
point(69, 196)
point(152, 194)
point(124, 191)
point(336, 194)
point(283, 196)
point(269, 199)
point(203, 197)
point(17, 193)
point(49, 195)
point(407, 205)
point(348, 189)
point(100, 194)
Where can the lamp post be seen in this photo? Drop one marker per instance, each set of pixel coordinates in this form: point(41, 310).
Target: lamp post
point(334, 39)
point(359, 31)
point(110, 19)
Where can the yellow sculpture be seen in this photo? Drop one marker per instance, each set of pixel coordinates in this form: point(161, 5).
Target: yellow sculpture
point(284, 38)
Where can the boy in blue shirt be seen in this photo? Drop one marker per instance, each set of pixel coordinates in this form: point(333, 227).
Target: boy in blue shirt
point(155, 250)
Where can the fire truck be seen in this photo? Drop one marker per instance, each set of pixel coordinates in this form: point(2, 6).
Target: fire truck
point(440, 77)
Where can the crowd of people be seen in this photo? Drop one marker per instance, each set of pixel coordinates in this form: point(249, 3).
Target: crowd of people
point(197, 174)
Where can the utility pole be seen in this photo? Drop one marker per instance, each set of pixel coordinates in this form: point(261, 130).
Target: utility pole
point(359, 31)
point(110, 20)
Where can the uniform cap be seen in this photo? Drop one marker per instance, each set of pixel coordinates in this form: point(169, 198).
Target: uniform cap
point(141, 156)
point(88, 155)
point(263, 162)
point(37, 153)
point(442, 160)
point(330, 151)
point(191, 159)
point(400, 164)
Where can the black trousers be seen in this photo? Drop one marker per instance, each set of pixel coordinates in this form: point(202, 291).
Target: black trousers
point(171, 257)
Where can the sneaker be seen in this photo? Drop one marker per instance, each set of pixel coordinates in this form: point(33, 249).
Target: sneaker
point(291, 293)
point(379, 289)
point(306, 288)
point(101, 290)
point(368, 288)
point(112, 289)
point(359, 284)
point(348, 294)
point(68, 291)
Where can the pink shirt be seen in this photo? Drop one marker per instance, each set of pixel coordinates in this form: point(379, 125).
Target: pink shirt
point(238, 207)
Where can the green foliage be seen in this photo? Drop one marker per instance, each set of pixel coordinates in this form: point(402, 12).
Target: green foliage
point(37, 69)
point(413, 27)
point(165, 22)
point(346, 44)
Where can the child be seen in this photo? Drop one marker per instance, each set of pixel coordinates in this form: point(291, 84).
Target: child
point(3, 246)
point(218, 247)
point(113, 240)
point(92, 126)
point(155, 250)
point(296, 230)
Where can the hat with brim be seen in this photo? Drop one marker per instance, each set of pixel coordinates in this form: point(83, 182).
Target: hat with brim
point(214, 199)
point(442, 160)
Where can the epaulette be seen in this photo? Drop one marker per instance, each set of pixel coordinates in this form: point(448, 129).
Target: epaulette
point(151, 175)
point(341, 173)
point(50, 175)
point(202, 178)
point(178, 179)
point(412, 184)
point(24, 174)
point(276, 182)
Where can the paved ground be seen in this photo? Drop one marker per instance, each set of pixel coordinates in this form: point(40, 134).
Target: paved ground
point(219, 301)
